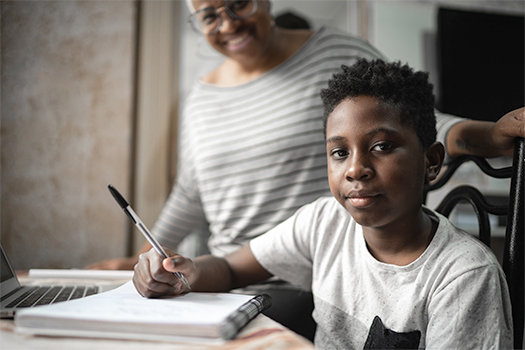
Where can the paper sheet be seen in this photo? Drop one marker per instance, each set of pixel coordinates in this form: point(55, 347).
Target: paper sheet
point(80, 273)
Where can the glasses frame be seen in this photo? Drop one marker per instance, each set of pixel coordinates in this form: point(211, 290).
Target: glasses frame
point(218, 11)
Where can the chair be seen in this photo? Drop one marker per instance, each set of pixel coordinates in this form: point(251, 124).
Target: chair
point(513, 253)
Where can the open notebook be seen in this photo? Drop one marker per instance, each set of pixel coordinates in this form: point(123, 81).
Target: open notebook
point(122, 313)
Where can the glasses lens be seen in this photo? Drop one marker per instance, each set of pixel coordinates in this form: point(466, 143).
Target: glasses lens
point(205, 21)
point(242, 8)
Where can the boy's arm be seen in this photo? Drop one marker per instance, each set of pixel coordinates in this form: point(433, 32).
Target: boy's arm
point(154, 277)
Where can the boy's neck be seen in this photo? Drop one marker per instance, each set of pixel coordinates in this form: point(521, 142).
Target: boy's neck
point(401, 244)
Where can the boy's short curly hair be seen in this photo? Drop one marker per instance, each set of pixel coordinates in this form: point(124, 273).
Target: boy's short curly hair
point(392, 83)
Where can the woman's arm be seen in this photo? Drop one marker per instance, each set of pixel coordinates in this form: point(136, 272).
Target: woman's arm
point(486, 139)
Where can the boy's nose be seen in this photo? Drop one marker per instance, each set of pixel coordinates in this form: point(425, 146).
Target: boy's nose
point(358, 168)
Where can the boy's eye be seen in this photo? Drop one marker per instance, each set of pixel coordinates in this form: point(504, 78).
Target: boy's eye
point(383, 147)
point(338, 154)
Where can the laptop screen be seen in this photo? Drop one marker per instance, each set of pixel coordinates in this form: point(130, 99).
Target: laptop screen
point(9, 281)
point(7, 273)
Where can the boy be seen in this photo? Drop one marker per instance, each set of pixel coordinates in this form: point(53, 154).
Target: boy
point(385, 271)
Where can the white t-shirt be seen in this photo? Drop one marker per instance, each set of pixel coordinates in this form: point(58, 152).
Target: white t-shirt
point(454, 296)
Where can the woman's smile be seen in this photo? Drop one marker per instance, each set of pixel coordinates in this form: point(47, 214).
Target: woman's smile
point(238, 42)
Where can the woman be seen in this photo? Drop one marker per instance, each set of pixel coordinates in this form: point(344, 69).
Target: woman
point(252, 149)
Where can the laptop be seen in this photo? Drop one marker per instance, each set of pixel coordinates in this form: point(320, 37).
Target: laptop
point(14, 296)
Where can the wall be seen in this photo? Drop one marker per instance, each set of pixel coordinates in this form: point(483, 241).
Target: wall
point(407, 30)
point(66, 113)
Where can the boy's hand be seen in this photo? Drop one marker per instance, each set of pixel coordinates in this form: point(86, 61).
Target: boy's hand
point(154, 277)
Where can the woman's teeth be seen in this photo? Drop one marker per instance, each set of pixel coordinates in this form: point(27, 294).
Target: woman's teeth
point(237, 40)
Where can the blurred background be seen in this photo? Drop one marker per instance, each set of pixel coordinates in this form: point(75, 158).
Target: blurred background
point(91, 92)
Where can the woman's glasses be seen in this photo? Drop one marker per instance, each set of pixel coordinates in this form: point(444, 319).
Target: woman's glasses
point(208, 20)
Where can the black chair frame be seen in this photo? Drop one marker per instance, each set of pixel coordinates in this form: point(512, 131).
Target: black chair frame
point(513, 255)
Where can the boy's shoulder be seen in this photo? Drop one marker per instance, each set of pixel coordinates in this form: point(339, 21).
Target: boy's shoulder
point(455, 248)
point(451, 248)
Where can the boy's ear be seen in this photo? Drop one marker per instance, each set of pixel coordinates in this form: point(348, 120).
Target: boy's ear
point(435, 155)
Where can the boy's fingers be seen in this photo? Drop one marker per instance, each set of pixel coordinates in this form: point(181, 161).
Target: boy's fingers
point(151, 279)
point(152, 289)
point(172, 263)
point(182, 265)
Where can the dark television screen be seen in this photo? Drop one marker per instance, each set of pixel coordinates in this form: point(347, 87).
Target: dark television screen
point(480, 63)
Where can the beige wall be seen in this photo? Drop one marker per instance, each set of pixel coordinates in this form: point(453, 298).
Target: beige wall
point(66, 127)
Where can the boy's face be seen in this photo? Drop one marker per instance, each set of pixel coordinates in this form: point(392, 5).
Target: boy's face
point(376, 165)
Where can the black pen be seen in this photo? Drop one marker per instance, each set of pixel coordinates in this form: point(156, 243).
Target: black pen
point(142, 228)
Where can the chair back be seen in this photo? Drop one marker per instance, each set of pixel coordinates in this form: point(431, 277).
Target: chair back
point(513, 252)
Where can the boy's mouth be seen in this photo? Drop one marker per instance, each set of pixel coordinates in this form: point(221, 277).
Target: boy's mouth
point(361, 199)
point(362, 202)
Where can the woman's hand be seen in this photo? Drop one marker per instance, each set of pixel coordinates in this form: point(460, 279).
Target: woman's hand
point(487, 139)
point(506, 129)
point(154, 277)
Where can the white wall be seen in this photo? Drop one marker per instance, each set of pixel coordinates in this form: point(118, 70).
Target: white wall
point(407, 30)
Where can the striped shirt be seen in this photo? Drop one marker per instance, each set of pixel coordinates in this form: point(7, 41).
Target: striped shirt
point(251, 155)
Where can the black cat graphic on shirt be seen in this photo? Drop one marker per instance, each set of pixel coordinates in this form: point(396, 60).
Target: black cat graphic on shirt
point(380, 337)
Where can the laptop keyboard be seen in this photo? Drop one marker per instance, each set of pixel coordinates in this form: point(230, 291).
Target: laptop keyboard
point(49, 295)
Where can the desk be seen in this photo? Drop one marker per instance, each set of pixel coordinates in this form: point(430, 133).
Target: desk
point(260, 333)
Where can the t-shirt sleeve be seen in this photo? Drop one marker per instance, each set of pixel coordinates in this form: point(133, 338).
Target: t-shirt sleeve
point(443, 124)
point(471, 312)
point(286, 250)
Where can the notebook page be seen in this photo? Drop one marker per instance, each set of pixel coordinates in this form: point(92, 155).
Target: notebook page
point(81, 273)
point(125, 305)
